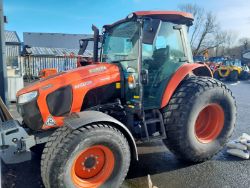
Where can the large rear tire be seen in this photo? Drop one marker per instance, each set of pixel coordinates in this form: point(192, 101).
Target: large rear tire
point(199, 119)
point(97, 155)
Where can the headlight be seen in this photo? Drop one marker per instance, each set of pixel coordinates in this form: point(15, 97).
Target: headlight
point(24, 98)
point(131, 81)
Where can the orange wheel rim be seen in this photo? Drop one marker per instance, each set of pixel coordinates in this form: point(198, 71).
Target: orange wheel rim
point(209, 123)
point(92, 167)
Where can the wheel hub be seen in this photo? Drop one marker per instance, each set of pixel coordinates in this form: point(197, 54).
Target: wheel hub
point(90, 162)
point(209, 123)
point(93, 166)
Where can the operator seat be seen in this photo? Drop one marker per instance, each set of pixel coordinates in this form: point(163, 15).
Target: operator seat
point(160, 56)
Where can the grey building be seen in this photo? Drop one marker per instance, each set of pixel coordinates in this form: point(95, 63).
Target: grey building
point(14, 65)
point(52, 50)
point(13, 47)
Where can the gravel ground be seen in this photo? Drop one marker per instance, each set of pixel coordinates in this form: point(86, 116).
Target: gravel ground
point(155, 160)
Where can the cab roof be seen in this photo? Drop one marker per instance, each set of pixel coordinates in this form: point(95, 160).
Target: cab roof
point(171, 16)
point(165, 14)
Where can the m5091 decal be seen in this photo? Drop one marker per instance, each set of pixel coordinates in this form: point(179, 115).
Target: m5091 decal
point(83, 84)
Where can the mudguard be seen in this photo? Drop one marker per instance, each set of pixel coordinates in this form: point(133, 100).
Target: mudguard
point(180, 74)
point(81, 119)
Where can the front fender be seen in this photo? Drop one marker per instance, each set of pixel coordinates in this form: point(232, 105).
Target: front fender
point(84, 118)
point(180, 74)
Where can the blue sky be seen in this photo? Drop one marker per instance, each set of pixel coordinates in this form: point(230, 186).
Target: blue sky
point(61, 16)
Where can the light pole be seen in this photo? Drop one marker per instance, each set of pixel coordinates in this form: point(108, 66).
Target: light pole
point(3, 74)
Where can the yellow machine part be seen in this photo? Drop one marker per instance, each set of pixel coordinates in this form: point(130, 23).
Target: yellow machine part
point(224, 71)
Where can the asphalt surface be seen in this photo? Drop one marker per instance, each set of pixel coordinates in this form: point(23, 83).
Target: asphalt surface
point(163, 168)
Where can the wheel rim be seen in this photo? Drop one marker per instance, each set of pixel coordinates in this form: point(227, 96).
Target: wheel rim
point(92, 167)
point(209, 123)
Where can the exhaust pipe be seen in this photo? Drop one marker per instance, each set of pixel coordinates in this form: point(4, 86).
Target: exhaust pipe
point(96, 40)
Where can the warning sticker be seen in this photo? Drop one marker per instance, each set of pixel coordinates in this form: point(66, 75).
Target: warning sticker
point(50, 121)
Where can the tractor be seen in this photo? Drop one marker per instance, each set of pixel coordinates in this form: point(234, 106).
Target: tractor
point(141, 87)
point(231, 70)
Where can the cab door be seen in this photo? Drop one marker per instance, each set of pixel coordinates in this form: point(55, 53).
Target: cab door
point(162, 58)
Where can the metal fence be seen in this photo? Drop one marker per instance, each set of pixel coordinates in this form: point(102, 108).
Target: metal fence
point(34, 64)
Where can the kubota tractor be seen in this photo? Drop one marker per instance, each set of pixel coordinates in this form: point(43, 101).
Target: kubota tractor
point(144, 87)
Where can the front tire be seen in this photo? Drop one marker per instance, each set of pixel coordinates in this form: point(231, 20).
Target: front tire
point(199, 119)
point(97, 155)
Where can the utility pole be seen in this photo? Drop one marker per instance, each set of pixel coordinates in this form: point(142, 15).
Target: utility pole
point(3, 74)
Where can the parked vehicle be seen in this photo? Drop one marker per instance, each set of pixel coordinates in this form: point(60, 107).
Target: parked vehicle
point(144, 88)
point(215, 62)
point(199, 59)
point(47, 72)
point(231, 70)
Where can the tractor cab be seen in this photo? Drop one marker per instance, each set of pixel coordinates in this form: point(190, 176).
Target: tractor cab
point(149, 47)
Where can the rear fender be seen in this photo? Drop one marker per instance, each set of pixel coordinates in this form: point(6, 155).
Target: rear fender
point(180, 74)
point(84, 118)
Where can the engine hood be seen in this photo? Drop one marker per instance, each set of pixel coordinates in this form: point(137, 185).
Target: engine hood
point(71, 76)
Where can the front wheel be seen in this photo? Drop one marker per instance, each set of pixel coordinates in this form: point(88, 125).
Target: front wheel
point(199, 119)
point(97, 155)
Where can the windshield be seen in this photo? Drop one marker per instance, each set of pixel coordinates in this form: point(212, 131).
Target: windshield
point(121, 43)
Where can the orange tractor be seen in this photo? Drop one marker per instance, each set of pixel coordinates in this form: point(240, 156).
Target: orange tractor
point(144, 87)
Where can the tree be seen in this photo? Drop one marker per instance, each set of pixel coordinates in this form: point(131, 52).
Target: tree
point(244, 42)
point(205, 27)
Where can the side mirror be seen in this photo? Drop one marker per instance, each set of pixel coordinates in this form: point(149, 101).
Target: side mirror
point(144, 76)
point(177, 27)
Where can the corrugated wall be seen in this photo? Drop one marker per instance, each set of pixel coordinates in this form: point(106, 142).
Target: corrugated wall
point(34, 64)
point(12, 53)
point(12, 50)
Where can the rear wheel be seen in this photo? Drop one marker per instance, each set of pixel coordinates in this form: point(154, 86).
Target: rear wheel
point(199, 119)
point(94, 156)
point(244, 75)
point(233, 76)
